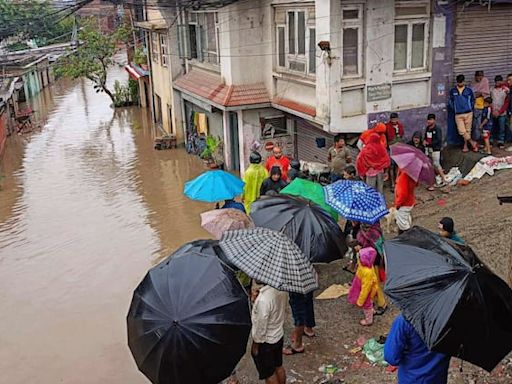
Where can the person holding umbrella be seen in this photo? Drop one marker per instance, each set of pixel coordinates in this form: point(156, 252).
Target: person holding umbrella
point(416, 364)
point(268, 315)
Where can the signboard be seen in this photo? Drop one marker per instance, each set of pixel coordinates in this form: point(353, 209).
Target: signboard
point(378, 92)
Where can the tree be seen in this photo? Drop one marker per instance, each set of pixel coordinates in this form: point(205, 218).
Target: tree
point(93, 56)
point(35, 19)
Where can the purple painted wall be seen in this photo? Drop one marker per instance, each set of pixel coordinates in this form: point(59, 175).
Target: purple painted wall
point(442, 69)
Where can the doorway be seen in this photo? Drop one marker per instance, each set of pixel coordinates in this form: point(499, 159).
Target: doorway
point(234, 141)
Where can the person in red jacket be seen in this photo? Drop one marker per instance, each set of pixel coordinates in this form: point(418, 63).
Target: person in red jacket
point(404, 200)
point(279, 160)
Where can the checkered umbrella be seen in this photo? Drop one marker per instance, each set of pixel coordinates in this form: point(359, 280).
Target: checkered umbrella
point(270, 257)
point(355, 200)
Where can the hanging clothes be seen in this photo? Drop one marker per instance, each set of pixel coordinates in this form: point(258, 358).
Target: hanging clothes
point(202, 125)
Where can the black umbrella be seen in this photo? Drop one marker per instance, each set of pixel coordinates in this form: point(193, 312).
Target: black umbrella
point(189, 320)
point(306, 223)
point(455, 303)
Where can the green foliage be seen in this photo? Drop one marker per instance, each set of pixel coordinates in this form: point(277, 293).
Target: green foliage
point(134, 90)
point(34, 19)
point(125, 94)
point(139, 56)
point(93, 56)
point(212, 143)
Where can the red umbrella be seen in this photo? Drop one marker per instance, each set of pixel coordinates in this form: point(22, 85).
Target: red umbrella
point(413, 162)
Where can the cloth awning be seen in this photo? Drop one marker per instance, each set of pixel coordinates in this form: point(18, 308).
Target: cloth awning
point(133, 72)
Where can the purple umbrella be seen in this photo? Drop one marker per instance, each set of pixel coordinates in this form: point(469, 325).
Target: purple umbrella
point(413, 162)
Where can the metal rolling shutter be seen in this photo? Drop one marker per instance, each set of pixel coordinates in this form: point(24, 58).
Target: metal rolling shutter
point(483, 40)
point(307, 148)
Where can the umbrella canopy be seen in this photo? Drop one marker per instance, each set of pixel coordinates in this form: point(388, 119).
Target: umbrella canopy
point(219, 221)
point(309, 226)
point(270, 257)
point(214, 186)
point(189, 320)
point(413, 162)
point(355, 200)
point(311, 191)
point(455, 303)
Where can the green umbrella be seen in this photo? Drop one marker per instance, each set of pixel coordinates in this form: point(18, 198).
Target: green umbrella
point(311, 191)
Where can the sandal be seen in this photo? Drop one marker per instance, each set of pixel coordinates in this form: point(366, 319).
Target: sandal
point(289, 350)
point(365, 323)
point(465, 150)
point(309, 334)
point(380, 311)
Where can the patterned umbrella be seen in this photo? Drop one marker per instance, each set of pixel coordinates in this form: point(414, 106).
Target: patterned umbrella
point(219, 221)
point(270, 257)
point(214, 186)
point(311, 191)
point(355, 200)
point(413, 162)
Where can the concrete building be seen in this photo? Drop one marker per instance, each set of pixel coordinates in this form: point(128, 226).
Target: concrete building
point(254, 74)
point(160, 42)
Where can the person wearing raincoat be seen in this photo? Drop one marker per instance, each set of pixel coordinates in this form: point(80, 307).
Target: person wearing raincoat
point(253, 178)
point(365, 285)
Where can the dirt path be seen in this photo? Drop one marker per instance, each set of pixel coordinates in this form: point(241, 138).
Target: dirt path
point(479, 219)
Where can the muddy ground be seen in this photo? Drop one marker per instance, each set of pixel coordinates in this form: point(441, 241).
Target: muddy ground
point(479, 219)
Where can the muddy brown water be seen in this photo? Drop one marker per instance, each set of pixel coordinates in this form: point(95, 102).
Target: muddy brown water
point(86, 207)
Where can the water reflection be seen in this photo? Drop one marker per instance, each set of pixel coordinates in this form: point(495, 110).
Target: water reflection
point(87, 206)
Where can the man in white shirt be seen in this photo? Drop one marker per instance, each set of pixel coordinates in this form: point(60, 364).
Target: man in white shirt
point(268, 315)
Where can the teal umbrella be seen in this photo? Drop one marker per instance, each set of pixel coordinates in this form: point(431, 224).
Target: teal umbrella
point(214, 186)
point(311, 191)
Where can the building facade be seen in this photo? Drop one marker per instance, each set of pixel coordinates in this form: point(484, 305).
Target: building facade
point(297, 73)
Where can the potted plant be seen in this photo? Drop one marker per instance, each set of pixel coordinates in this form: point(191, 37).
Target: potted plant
point(140, 58)
point(212, 154)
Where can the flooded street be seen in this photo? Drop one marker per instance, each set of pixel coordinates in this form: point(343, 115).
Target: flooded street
point(86, 207)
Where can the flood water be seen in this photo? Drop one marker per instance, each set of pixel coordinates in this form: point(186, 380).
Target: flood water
point(86, 207)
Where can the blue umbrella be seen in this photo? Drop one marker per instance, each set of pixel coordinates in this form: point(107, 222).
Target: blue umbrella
point(355, 200)
point(214, 186)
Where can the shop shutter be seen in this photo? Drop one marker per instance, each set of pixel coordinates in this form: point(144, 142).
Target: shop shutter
point(483, 40)
point(306, 139)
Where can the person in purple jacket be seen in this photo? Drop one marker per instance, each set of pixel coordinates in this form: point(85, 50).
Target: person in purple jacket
point(405, 349)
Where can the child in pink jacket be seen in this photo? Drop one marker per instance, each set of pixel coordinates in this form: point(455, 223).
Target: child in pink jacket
point(365, 285)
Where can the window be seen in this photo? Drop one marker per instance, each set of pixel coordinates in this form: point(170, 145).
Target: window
point(203, 37)
point(273, 126)
point(411, 37)
point(163, 50)
point(296, 40)
point(154, 47)
point(352, 36)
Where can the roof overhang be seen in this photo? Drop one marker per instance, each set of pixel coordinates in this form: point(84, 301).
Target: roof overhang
point(152, 25)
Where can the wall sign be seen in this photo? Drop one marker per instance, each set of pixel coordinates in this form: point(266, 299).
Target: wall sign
point(378, 92)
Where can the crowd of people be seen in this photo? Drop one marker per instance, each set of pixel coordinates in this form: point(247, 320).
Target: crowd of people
point(481, 119)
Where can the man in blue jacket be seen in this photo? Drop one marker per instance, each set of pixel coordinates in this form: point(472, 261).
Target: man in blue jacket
point(462, 101)
point(416, 364)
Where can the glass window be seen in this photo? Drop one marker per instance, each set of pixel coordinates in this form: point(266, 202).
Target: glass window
point(301, 33)
point(350, 51)
point(203, 36)
point(312, 50)
point(400, 47)
point(295, 40)
point(418, 46)
point(352, 27)
point(291, 32)
point(154, 47)
point(281, 58)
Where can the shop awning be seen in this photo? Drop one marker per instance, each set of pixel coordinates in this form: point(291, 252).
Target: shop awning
point(294, 106)
point(210, 87)
point(135, 72)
